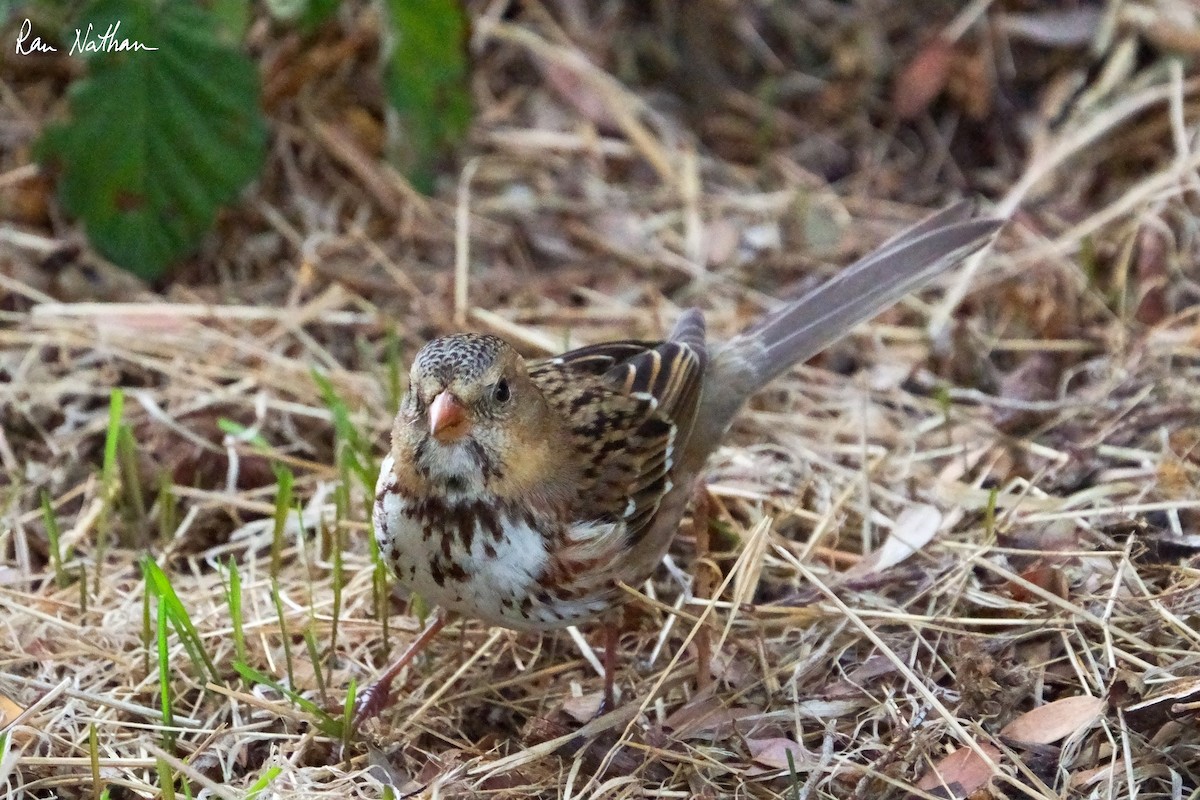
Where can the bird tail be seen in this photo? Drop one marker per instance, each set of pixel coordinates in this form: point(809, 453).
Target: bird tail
point(689, 330)
point(803, 327)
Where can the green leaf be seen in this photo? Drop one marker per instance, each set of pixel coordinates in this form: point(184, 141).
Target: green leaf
point(308, 14)
point(316, 12)
point(426, 81)
point(233, 17)
point(158, 139)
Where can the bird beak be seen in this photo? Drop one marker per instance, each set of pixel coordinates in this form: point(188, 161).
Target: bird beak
point(448, 418)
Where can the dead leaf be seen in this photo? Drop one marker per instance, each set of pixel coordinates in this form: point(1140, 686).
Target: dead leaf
point(774, 752)
point(1185, 443)
point(1054, 721)
point(961, 773)
point(9, 710)
point(700, 717)
point(721, 239)
point(1152, 278)
point(832, 708)
point(1170, 36)
point(731, 669)
point(876, 666)
point(1035, 380)
point(914, 528)
point(573, 87)
point(970, 86)
point(1044, 576)
point(853, 685)
point(920, 83)
point(584, 708)
point(709, 716)
point(28, 201)
point(1090, 777)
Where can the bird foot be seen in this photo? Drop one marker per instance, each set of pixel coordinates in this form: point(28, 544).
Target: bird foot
point(607, 703)
point(378, 696)
point(370, 703)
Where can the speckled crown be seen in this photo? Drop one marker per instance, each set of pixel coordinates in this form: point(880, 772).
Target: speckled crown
point(463, 356)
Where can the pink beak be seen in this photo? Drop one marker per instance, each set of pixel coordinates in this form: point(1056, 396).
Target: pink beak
point(448, 418)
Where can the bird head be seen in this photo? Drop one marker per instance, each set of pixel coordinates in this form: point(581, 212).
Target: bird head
point(469, 404)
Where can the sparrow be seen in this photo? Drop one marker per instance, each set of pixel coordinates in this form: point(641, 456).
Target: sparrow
point(524, 492)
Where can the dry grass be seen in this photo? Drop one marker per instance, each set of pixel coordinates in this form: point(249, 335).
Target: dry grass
point(1031, 430)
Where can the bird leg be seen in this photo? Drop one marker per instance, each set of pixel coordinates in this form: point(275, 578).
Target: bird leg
point(378, 695)
point(612, 639)
point(702, 582)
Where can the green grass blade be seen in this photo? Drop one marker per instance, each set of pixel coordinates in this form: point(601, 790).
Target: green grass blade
point(158, 582)
point(147, 632)
point(233, 595)
point(93, 755)
point(83, 593)
point(325, 723)
point(283, 506)
point(108, 476)
point(239, 431)
point(348, 712)
point(338, 580)
point(166, 779)
point(284, 635)
point(314, 655)
point(135, 504)
point(262, 783)
point(380, 592)
point(989, 515)
point(164, 674)
point(108, 470)
point(168, 510)
point(53, 536)
point(348, 435)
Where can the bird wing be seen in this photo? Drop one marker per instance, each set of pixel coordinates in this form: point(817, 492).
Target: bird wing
point(628, 405)
point(597, 359)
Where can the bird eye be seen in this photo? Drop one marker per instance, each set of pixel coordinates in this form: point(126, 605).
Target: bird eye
point(501, 392)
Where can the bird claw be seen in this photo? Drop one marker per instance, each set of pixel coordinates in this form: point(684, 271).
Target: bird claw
point(378, 696)
point(369, 704)
point(607, 703)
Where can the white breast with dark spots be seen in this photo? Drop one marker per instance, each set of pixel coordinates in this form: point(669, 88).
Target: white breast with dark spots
point(465, 555)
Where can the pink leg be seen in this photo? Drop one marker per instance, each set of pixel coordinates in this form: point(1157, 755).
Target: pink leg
point(704, 584)
point(376, 697)
point(612, 637)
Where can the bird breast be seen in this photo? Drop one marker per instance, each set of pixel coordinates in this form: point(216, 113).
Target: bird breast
point(480, 557)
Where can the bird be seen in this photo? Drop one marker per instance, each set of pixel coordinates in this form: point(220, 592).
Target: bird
point(524, 493)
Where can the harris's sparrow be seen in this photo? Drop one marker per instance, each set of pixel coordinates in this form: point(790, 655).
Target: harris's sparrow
point(521, 493)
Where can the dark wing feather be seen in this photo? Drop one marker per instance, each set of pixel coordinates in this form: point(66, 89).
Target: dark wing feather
point(670, 374)
point(630, 405)
point(597, 359)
